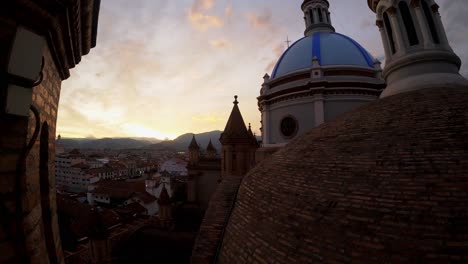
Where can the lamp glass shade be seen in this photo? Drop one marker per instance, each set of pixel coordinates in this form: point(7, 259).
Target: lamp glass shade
point(26, 54)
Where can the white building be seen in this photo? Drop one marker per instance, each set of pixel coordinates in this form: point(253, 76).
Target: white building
point(71, 172)
point(176, 167)
point(155, 185)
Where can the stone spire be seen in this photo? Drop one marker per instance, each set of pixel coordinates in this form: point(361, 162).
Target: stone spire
point(210, 151)
point(238, 152)
point(194, 152)
point(210, 147)
point(317, 16)
point(194, 144)
point(235, 131)
point(164, 198)
point(165, 208)
point(418, 54)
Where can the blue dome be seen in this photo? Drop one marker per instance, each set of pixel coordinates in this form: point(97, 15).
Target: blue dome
point(329, 47)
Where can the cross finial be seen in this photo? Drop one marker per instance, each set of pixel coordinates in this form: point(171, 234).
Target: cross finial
point(235, 100)
point(288, 41)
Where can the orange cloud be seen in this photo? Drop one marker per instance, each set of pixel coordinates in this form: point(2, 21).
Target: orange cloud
point(203, 4)
point(228, 11)
point(199, 19)
point(259, 21)
point(203, 22)
point(220, 44)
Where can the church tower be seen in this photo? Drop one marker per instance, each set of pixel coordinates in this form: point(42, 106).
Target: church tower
point(165, 208)
point(210, 151)
point(317, 16)
point(238, 152)
point(194, 152)
point(418, 54)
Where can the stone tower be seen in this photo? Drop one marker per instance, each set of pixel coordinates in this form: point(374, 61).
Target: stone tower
point(165, 208)
point(317, 16)
point(41, 41)
point(210, 151)
point(194, 152)
point(238, 152)
point(418, 54)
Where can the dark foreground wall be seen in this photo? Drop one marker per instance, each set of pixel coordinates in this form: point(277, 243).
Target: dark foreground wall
point(29, 227)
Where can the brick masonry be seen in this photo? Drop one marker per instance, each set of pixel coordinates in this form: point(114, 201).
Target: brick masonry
point(13, 139)
point(386, 183)
point(28, 220)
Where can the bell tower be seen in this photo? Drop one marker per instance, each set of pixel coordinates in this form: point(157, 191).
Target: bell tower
point(418, 54)
point(194, 152)
point(317, 16)
point(238, 152)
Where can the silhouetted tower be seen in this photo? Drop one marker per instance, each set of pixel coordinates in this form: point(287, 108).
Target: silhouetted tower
point(165, 208)
point(194, 152)
point(238, 152)
point(210, 151)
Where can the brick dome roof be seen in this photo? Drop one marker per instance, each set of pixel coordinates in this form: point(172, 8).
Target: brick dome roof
point(386, 183)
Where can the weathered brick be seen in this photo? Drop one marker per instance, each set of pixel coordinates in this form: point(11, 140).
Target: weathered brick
point(383, 184)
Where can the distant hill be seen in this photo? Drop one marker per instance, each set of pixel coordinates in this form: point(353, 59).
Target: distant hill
point(182, 142)
point(107, 143)
point(179, 144)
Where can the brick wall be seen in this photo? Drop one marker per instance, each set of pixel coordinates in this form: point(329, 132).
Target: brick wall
point(39, 211)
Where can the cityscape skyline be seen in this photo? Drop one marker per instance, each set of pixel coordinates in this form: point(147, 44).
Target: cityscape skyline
point(179, 74)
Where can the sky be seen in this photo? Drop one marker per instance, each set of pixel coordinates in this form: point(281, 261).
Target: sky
point(162, 68)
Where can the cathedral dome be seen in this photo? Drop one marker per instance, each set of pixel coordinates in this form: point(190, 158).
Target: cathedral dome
point(330, 48)
point(385, 183)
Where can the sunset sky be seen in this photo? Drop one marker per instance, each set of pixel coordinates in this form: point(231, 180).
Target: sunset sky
point(162, 68)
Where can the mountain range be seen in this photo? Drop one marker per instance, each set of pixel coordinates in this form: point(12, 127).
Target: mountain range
point(181, 143)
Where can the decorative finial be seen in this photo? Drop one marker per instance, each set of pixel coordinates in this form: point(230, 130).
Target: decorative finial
point(235, 100)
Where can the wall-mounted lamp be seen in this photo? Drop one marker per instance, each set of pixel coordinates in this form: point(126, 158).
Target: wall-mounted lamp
point(24, 71)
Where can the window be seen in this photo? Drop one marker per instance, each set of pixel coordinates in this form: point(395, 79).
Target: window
point(289, 127)
point(409, 24)
point(388, 28)
point(430, 22)
point(311, 15)
point(320, 14)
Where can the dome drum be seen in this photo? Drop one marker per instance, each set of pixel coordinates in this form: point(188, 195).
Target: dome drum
point(308, 109)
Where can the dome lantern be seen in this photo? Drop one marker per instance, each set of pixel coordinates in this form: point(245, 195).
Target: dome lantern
point(418, 54)
point(317, 16)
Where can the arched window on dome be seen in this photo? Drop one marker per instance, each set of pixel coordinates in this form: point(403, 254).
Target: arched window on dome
point(430, 21)
point(320, 15)
point(388, 29)
point(328, 17)
point(311, 15)
point(409, 24)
